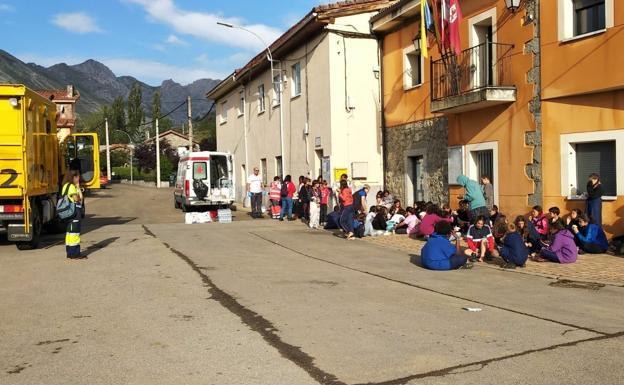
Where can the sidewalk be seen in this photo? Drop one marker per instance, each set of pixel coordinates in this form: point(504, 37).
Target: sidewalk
point(599, 268)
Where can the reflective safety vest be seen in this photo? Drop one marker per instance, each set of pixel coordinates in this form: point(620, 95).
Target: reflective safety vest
point(275, 191)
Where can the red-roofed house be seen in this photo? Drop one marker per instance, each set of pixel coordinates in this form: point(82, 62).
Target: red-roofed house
point(65, 101)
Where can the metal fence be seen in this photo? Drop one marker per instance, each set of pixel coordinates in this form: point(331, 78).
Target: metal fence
point(482, 66)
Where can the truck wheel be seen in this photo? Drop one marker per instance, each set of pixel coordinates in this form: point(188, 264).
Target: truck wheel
point(36, 228)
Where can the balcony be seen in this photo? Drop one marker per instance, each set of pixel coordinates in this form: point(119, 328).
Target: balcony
point(479, 77)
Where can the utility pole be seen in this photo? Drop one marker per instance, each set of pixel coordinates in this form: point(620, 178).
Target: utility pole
point(157, 138)
point(108, 165)
point(190, 124)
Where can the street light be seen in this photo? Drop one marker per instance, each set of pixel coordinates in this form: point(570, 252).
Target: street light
point(417, 41)
point(512, 5)
point(280, 84)
point(131, 156)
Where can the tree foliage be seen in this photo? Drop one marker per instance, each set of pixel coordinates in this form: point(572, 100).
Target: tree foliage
point(136, 114)
point(145, 155)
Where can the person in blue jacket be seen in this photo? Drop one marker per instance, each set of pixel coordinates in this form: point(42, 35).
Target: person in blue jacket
point(514, 250)
point(591, 236)
point(440, 254)
point(474, 196)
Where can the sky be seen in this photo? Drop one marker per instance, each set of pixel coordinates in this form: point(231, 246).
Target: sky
point(152, 40)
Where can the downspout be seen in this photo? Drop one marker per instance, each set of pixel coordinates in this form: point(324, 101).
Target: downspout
point(307, 110)
point(382, 110)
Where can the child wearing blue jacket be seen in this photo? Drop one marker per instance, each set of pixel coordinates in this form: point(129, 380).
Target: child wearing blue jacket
point(440, 254)
point(514, 251)
point(591, 236)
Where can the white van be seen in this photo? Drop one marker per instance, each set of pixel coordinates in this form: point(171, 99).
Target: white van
point(215, 170)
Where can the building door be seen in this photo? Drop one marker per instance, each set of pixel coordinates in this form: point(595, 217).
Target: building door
point(318, 163)
point(484, 161)
point(416, 178)
point(483, 54)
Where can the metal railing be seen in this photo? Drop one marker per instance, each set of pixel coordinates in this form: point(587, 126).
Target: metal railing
point(479, 67)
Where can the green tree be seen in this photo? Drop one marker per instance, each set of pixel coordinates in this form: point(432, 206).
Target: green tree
point(136, 114)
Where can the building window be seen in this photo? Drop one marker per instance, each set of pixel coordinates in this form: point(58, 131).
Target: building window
point(277, 84)
point(263, 170)
point(578, 18)
point(599, 158)
point(589, 16)
point(261, 100)
point(296, 80)
point(223, 115)
point(592, 152)
point(241, 103)
point(412, 68)
point(279, 171)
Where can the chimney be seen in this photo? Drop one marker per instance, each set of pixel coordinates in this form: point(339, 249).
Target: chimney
point(70, 91)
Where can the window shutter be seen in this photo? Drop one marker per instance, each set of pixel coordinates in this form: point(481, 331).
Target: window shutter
point(596, 157)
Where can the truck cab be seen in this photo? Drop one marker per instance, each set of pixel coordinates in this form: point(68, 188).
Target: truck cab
point(213, 170)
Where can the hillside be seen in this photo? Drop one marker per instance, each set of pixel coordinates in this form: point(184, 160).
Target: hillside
point(98, 85)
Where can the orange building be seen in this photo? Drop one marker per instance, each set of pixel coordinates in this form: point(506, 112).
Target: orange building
point(509, 106)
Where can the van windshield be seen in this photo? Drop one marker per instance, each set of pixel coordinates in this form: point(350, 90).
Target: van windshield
point(219, 171)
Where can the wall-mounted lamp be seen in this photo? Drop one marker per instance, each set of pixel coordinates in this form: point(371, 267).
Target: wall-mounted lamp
point(417, 42)
point(512, 5)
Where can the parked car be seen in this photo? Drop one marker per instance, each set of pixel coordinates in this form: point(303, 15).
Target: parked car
point(103, 181)
point(204, 179)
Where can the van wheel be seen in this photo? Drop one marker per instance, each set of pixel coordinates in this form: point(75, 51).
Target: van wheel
point(36, 226)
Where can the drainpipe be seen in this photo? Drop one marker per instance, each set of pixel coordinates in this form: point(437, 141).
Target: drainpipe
point(380, 43)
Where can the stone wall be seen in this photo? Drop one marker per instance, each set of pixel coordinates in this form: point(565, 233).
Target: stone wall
point(428, 138)
point(534, 138)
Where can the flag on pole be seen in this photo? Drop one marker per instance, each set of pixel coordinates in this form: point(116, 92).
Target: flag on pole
point(426, 22)
point(423, 30)
point(454, 17)
point(444, 22)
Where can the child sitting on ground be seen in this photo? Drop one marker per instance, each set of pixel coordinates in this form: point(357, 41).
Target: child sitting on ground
point(333, 219)
point(380, 221)
point(368, 222)
point(514, 251)
point(396, 218)
point(494, 215)
point(591, 237)
point(539, 221)
point(480, 241)
point(499, 229)
point(554, 216)
point(408, 225)
point(573, 218)
point(358, 225)
point(562, 249)
point(433, 216)
point(440, 254)
point(461, 217)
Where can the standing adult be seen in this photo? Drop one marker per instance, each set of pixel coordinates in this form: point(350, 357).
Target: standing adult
point(488, 191)
point(474, 196)
point(287, 192)
point(71, 189)
point(338, 188)
point(348, 212)
point(254, 191)
point(594, 199)
point(359, 200)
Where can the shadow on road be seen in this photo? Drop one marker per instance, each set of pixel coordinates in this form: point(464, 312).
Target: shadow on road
point(99, 246)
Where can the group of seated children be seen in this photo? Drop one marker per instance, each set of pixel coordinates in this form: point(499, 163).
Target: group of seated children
point(543, 237)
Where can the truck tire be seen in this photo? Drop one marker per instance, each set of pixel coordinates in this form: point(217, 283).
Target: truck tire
point(37, 226)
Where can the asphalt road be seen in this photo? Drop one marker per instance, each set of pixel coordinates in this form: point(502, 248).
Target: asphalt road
point(263, 302)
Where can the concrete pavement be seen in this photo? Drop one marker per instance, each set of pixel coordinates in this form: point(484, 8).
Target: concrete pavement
point(275, 303)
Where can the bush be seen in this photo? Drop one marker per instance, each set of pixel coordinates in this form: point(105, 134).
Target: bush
point(124, 173)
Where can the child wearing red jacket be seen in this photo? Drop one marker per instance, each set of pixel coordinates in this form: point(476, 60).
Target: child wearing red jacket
point(325, 192)
point(480, 241)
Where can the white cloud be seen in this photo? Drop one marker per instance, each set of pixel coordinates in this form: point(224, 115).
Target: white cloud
point(174, 40)
point(76, 22)
point(6, 8)
point(204, 25)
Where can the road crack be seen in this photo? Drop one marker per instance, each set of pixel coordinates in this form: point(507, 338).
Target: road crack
point(256, 322)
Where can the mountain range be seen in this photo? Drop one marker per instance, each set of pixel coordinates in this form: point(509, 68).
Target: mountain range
point(98, 86)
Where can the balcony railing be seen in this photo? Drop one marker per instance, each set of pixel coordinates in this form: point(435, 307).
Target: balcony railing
point(487, 65)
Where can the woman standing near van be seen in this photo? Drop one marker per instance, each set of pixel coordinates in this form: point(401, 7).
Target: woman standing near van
point(71, 188)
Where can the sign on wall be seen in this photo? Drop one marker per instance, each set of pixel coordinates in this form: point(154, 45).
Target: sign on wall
point(455, 164)
point(338, 172)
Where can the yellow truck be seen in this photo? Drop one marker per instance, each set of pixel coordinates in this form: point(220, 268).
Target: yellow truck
point(33, 160)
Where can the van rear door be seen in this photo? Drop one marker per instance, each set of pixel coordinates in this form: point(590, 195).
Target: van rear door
point(199, 171)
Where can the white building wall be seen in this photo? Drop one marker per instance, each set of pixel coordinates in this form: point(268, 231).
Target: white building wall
point(345, 137)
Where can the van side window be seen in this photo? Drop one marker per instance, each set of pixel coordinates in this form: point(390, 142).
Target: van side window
point(200, 170)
